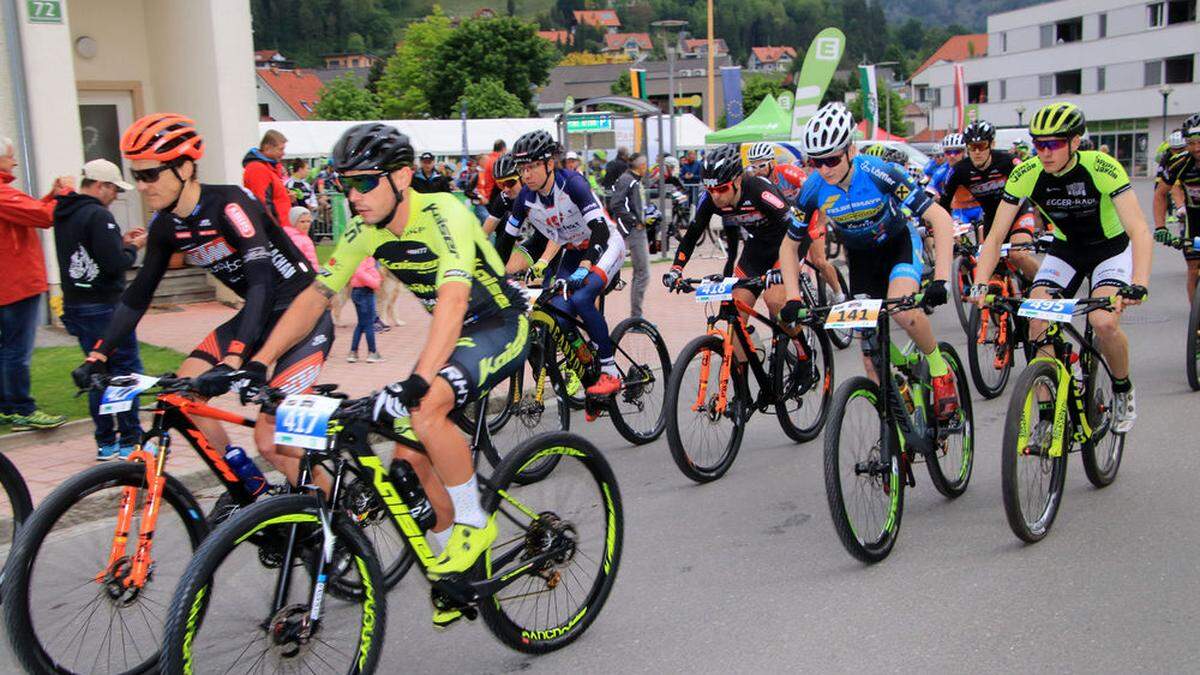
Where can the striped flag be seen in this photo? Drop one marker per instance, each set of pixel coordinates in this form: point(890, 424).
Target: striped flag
point(637, 89)
point(960, 99)
point(870, 100)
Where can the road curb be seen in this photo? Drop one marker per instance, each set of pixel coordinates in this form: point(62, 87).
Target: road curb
point(23, 439)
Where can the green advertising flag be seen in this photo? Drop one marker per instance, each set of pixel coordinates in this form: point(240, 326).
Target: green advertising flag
point(870, 99)
point(822, 59)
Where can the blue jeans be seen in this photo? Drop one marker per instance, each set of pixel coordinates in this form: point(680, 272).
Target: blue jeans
point(364, 305)
point(18, 328)
point(87, 321)
point(582, 303)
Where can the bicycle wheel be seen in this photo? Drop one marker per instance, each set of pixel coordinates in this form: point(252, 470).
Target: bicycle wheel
point(533, 402)
point(638, 410)
point(953, 456)
point(1102, 453)
point(576, 516)
point(375, 521)
point(1032, 480)
point(15, 507)
point(804, 388)
point(863, 481)
point(960, 283)
point(704, 438)
point(990, 352)
point(838, 337)
point(1192, 367)
point(66, 608)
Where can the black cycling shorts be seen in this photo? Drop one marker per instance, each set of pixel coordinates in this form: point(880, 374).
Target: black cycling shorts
point(756, 260)
point(488, 352)
point(1191, 231)
point(871, 270)
point(295, 371)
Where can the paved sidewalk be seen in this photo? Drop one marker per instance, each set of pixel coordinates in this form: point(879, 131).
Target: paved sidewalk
point(44, 466)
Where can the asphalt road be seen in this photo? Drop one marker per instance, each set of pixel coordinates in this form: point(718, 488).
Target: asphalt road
point(746, 574)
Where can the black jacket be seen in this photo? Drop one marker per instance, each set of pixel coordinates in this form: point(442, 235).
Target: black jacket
point(92, 259)
point(434, 183)
point(614, 170)
point(625, 204)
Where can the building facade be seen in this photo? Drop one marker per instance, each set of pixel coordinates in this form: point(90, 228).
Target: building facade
point(1131, 67)
point(584, 82)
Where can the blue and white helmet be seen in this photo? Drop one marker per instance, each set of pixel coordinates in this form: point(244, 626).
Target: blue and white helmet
point(828, 132)
point(760, 152)
point(953, 142)
point(1175, 140)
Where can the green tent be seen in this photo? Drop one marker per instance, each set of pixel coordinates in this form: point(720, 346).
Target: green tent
point(768, 122)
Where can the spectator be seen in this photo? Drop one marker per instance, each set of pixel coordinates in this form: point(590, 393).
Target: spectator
point(20, 293)
point(301, 192)
point(262, 174)
point(93, 257)
point(427, 178)
point(487, 182)
point(363, 285)
point(302, 220)
point(596, 163)
point(470, 187)
point(689, 170)
point(571, 161)
point(1104, 148)
point(615, 169)
point(626, 205)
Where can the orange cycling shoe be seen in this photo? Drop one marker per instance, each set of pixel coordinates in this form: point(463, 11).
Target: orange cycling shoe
point(945, 396)
point(607, 385)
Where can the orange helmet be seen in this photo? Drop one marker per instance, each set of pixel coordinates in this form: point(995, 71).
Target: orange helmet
point(164, 137)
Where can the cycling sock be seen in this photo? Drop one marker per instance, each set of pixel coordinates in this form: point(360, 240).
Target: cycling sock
point(441, 538)
point(467, 509)
point(1120, 386)
point(937, 365)
point(609, 367)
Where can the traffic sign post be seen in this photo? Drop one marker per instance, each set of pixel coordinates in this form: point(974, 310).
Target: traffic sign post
point(589, 123)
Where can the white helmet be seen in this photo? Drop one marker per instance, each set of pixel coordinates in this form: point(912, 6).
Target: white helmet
point(953, 141)
point(828, 132)
point(1175, 140)
point(760, 152)
point(937, 149)
point(671, 162)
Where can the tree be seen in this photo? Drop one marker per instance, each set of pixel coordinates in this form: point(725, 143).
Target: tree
point(345, 99)
point(621, 87)
point(756, 87)
point(488, 99)
point(408, 75)
point(589, 38)
point(355, 44)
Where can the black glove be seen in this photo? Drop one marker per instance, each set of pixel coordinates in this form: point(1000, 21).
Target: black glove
point(82, 376)
point(790, 314)
point(935, 294)
point(671, 279)
point(252, 376)
point(396, 399)
point(214, 381)
point(1134, 292)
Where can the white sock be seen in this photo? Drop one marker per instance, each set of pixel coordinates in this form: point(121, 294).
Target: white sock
point(609, 367)
point(441, 538)
point(467, 509)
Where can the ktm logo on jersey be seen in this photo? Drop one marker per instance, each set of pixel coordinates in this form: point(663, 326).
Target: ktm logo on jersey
point(240, 220)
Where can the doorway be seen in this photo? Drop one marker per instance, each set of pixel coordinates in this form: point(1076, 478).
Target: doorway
point(102, 117)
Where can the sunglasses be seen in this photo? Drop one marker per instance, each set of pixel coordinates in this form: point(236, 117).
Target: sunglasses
point(149, 175)
point(507, 182)
point(1050, 144)
point(828, 162)
point(364, 183)
point(980, 147)
point(953, 152)
point(720, 189)
point(761, 165)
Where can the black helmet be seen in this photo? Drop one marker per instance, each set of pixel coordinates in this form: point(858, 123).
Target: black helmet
point(895, 155)
point(534, 146)
point(979, 131)
point(504, 167)
point(372, 147)
point(722, 165)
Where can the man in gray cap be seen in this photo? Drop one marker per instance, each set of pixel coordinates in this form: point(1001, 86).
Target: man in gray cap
point(93, 257)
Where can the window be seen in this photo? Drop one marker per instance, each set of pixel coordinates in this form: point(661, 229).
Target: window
point(1045, 85)
point(1047, 36)
point(264, 110)
point(1178, 70)
point(1181, 11)
point(1100, 74)
point(977, 92)
point(1003, 89)
point(1004, 41)
point(1070, 30)
point(1103, 26)
point(1068, 82)
point(1154, 15)
point(1153, 73)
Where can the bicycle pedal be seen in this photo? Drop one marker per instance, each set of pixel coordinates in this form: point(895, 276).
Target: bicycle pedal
point(455, 592)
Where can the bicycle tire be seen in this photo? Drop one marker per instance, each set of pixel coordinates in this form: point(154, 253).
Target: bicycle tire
point(981, 357)
point(570, 448)
point(651, 382)
point(190, 606)
point(26, 644)
point(784, 380)
point(952, 488)
point(1010, 455)
point(1192, 352)
point(957, 292)
point(838, 337)
point(679, 453)
point(877, 549)
point(1100, 474)
point(19, 502)
point(396, 568)
point(537, 359)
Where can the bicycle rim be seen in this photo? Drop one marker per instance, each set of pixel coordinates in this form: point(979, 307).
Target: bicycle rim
point(1192, 366)
point(954, 449)
point(1102, 453)
point(990, 357)
point(703, 436)
point(805, 387)
point(639, 408)
point(1032, 479)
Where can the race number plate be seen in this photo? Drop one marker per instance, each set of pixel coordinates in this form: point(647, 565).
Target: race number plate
point(1049, 310)
point(716, 291)
point(303, 420)
point(963, 229)
point(117, 399)
point(1004, 249)
point(531, 296)
point(863, 313)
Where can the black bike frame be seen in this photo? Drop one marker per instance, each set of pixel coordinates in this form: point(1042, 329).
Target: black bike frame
point(893, 414)
point(172, 412)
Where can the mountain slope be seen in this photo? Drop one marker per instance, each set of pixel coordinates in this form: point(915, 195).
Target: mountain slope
point(972, 15)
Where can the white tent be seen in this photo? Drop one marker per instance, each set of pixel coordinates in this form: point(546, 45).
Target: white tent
point(689, 132)
point(441, 137)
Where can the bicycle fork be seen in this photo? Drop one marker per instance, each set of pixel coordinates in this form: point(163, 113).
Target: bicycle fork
point(138, 571)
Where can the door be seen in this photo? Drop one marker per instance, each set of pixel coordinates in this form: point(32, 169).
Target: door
point(102, 116)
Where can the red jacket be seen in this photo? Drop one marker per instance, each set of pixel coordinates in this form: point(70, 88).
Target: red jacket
point(20, 248)
point(487, 182)
point(264, 178)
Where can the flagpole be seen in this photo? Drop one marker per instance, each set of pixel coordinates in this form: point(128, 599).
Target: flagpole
point(712, 97)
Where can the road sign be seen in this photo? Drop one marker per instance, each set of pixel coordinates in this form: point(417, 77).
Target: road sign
point(692, 101)
point(44, 11)
point(588, 123)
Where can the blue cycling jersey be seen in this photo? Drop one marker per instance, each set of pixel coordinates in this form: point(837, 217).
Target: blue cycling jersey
point(937, 179)
point(877, 205)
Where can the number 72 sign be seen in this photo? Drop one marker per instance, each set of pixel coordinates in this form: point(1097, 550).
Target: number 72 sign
point(44, 11)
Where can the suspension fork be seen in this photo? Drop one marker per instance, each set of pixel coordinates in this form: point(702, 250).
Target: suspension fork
point(705, 366)
point(155, 466)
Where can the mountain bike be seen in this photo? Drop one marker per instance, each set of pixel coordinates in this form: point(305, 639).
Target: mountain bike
point(816, 293)
point(255, 595)
point(994, 334)
point(15, 509)
point(877, 432)
point(1192, 350)
point(706, 417)
point(1060, 405)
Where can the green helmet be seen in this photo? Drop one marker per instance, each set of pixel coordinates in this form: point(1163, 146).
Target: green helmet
point(876, 150)
point(1057, 119)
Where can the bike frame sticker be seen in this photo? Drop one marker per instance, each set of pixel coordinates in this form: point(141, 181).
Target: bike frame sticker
point(119, 398)
point(715, 291)
point(860, 313)
point(303, 420)
point(1061, 310)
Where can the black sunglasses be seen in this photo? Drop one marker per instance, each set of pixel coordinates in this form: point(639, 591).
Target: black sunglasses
point(149, 175)
point(364, 183)
point(827, 162)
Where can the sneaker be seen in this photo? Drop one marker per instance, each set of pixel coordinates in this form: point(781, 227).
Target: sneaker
point(463, 550)
point(1125, 412)
point(573, 384)
point(607, 385)
point(374, 357)
point(380, 326)
point(126, 451)
point(352, 357)
point(107, 452)
point(6, 418)
point(37, 420)
point(945, 396)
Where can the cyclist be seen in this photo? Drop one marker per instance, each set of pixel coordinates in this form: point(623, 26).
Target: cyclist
point(1099, 232)
point(504, 172)
point(871, 204)
point(937, 164)
point(789, 178)
point(1183, 170)
point(1175, 206)
point(1020, 151)
point(964, 208)
point(984, 175)
point(565, 213)
point(223, 229)
point(477, 338)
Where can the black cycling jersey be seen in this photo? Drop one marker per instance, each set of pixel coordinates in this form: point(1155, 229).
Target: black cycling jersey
point(499, 206)
point(229, 235)
point(761, 215)
point(985, 185)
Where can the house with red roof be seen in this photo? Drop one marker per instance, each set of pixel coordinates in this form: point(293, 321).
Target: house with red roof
point(697, 48)
point(771, 59)
point(558, 37)
point(931, 85)
point(604, 19)
point(633, 45)
point(285, 95)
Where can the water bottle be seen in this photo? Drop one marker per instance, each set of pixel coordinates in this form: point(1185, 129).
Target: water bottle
point(408, 486)
point(245, 468)
point(760, 348)
point(581, 349)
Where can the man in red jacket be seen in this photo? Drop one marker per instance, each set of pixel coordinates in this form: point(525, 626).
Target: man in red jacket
point(262, 174)
point(487, 182)
point(24, 281)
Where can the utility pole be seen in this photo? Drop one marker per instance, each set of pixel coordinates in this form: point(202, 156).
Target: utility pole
point(712, 103)
point(669, 26)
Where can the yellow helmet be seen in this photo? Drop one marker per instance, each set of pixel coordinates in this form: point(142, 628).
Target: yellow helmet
point(875, 150)
point(1057, 119)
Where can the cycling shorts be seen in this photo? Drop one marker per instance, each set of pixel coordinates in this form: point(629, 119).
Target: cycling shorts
point(1191, 230)
point(488, 352)
point(756, 261)
point(872, 270)
point(1064, 269)
point(973, 214)
point(295, 371)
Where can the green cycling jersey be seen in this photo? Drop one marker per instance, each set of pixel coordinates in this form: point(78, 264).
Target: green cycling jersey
point(1078, 201)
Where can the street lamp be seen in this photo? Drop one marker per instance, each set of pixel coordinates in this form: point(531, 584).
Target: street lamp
point(1166, 91)
point(1020, 115)
point(669, 27)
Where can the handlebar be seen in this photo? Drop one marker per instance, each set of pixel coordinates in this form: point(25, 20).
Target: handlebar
point(814, 315)
point(1082, 306)
point(1184, 244)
